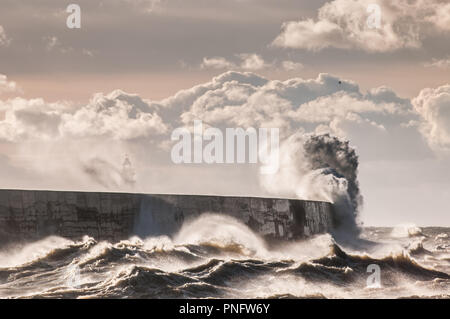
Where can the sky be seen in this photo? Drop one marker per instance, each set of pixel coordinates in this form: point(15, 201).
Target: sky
point(75, 102)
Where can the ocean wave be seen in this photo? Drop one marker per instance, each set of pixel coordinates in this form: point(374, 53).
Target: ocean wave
point(407, 230)
point(217, 257)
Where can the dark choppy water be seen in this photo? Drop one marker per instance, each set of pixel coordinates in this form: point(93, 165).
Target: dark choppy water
point(216, 256)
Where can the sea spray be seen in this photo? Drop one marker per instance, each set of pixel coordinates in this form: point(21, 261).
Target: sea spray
point(221, 231)
point(338, 162)
point(189, 267)
point(320, 167)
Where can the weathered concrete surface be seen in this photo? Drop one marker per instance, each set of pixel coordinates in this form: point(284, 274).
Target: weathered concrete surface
point(31, 215)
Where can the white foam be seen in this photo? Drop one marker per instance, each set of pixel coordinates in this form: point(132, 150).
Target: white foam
point(23, 253)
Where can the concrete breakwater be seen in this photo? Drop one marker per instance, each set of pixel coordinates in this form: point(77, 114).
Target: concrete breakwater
point(31, 215)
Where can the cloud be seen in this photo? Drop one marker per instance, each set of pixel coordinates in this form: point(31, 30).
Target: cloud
point(440, 14)
point(4, 40)
point(434, 107)
point(86, 144)
point(377, 120)
point(232, 99)
point(90, 140)
point(143, 6)
point(7, 86)
point(252, 62)
point(216, 63)
point(118, 115)
point(51, 42)
point(24, 119)
point(291, 65)
point(344, 24)
point(247, 62)
point(87, 52)
point(287, 104)
point(439, 63)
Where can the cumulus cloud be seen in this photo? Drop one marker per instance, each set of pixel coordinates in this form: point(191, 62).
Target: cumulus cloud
point(118, 115)
point(289, 104)
point(88, 142)
point(346, 24)
point(440, 14)
point(230, 99)
point(434, 107)
point(25, 119)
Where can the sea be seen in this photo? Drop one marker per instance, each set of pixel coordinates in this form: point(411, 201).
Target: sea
point(216, 256)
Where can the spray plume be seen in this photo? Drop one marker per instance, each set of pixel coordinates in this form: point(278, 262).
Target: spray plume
point(320, 167)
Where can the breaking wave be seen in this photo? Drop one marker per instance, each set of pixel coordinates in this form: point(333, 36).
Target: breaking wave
point(217, 256)
point(407, 230)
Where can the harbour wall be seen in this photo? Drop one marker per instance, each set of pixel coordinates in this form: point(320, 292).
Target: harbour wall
point(27, 215)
